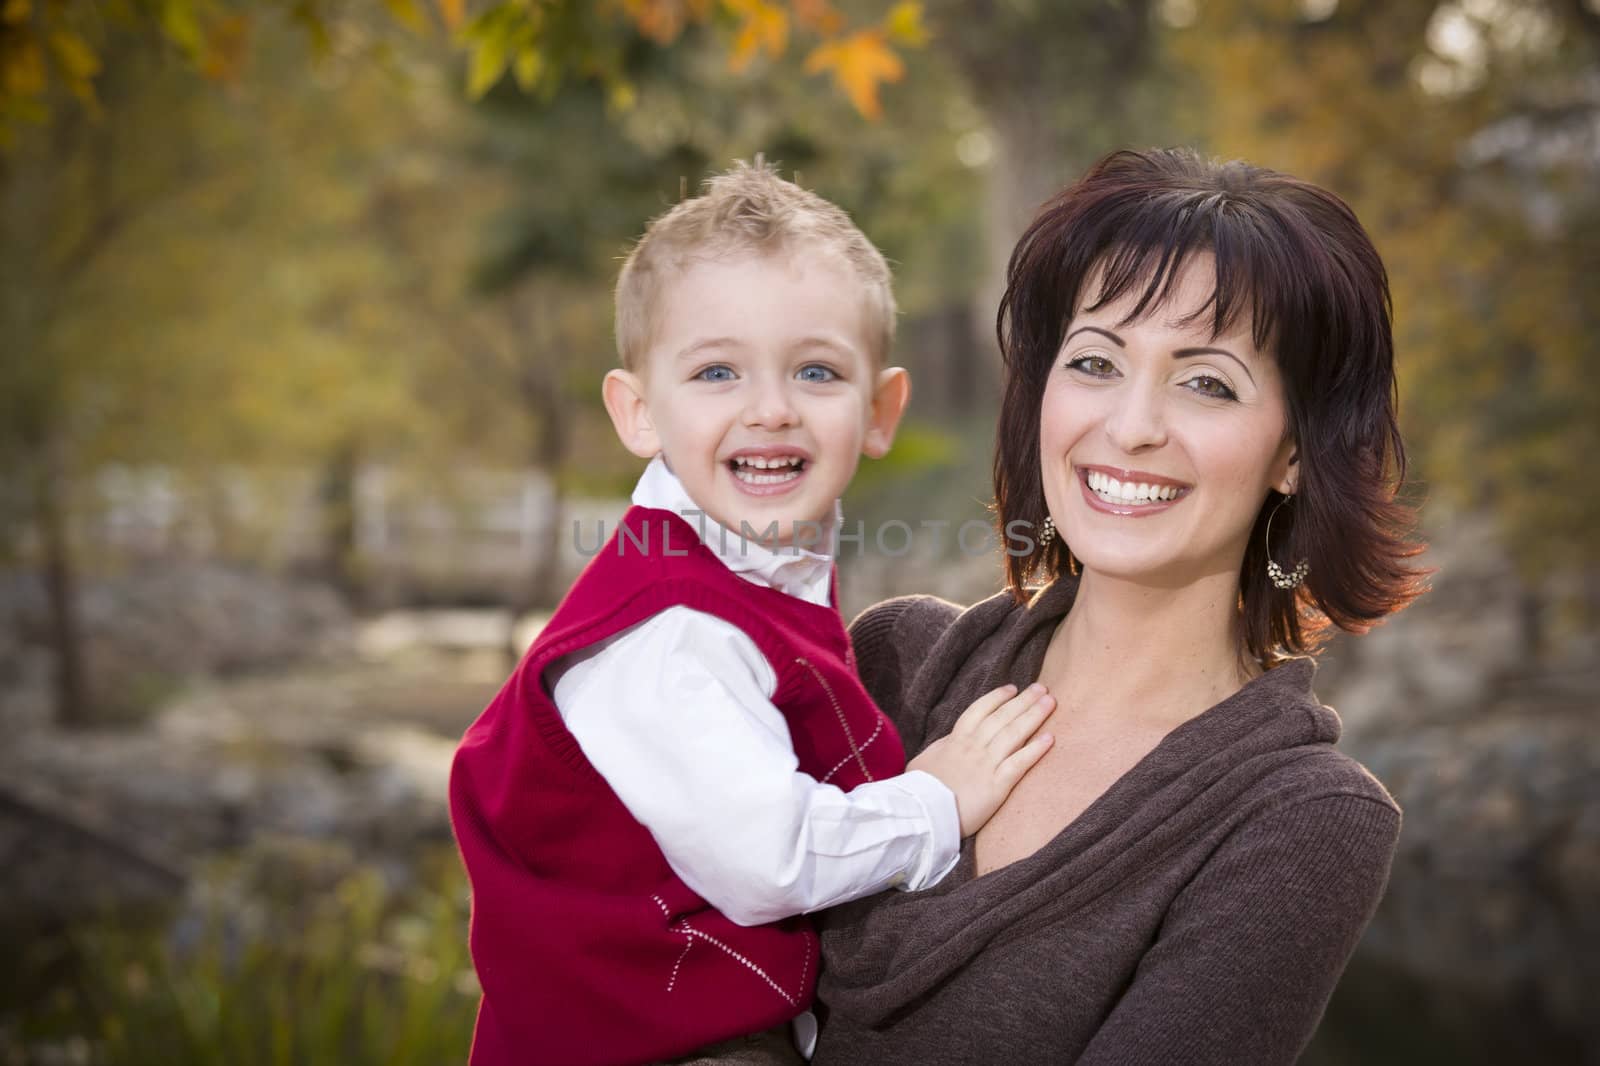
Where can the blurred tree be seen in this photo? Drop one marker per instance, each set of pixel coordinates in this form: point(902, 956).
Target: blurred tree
point(64, 206)
point(182, 287)
point(543, 45)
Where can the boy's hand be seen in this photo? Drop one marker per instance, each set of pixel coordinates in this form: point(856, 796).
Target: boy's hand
point(988, 751)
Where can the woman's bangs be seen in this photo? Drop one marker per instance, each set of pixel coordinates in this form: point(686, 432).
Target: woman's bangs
point(1153, 249)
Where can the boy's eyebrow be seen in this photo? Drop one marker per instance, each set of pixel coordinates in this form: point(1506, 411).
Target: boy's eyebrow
point(705, 343)
point(820, 341)
point(816, 340)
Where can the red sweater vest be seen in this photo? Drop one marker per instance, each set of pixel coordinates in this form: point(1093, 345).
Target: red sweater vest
point(588, 947)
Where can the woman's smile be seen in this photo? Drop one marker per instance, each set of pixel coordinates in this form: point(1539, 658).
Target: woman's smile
point(1129, 493)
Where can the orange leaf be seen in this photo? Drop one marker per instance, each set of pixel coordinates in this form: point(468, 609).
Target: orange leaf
point(227, 43)
point(766, 26)
point(24, 69)
point(818, 16)
point(452, 11)
point(659, 20)
point(859, 63)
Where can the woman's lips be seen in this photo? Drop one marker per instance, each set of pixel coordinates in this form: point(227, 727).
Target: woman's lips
point(1125, 496)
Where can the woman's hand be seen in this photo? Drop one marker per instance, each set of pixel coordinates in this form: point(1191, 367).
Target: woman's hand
point(989, 750)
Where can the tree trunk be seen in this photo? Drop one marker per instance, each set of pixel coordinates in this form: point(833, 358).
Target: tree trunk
point(337, 497)
point(72, 704)
point(1058, 85)
point(544, 584)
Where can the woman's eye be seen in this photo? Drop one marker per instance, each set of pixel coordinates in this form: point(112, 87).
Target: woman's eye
point(816, 373)
point(1216, 388)
point(718, 372)
point(1096, 366)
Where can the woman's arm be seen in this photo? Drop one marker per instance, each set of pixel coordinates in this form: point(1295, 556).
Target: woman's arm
point(1251, 949)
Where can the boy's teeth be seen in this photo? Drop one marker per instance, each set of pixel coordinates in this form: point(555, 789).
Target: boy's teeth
point(768, 464)
point(1111, 490)
point(754, 470)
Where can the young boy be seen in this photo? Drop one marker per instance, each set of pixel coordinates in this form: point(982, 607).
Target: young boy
point(685, 761)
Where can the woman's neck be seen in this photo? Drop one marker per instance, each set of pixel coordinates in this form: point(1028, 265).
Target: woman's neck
point(1168, 653)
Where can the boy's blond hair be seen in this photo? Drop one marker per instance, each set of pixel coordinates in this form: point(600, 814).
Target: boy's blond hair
point(748, 209)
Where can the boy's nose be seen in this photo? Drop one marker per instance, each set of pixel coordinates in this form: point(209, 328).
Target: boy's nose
point(769, 407)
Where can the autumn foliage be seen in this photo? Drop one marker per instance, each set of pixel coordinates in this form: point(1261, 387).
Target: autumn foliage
point(46, 43)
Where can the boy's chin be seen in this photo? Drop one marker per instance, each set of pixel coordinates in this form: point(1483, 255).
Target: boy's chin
point(778, 526)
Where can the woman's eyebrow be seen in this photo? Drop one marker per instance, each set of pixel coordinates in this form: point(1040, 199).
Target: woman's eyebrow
point(1185, 353)
point(1118, 341)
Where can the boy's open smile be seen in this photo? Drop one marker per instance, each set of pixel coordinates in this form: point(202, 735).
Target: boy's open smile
point(768, 471)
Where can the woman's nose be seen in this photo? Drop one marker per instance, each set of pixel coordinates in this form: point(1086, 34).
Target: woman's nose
point(1137, 422)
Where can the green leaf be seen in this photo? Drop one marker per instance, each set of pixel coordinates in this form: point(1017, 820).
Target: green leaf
point(408, 14)
point(489, 61)
point(529, 65)
point(179, 23)
point(77, 59)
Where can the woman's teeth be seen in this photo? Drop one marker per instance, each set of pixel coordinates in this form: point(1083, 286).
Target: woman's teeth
point(1129, 493)
point(753, 470)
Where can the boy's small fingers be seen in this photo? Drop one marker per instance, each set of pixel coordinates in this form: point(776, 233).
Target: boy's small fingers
point(1021, 761)
point(1022, 723)
point(982, 707)
point(1008, 711)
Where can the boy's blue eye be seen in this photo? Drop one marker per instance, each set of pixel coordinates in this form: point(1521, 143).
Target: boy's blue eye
point(816, 373)
point(715, 373)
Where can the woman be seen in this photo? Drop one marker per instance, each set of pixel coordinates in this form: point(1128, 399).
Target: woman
point(1199, 418)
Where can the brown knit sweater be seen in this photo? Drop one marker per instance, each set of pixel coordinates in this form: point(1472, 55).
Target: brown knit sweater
point(1200, 911)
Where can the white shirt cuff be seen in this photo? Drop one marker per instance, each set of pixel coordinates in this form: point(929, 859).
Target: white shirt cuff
point(944, 844)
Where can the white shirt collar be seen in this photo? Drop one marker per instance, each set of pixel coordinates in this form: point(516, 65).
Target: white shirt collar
point(799, 572)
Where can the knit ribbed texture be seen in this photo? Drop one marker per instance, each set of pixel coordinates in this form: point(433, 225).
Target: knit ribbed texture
point(1200, 911)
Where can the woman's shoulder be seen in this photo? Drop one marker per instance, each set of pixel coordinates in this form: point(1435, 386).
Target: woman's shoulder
point(906, 628)
point(891, 638)
point(927, 616)
point(1328, 772)
point(1326, 797)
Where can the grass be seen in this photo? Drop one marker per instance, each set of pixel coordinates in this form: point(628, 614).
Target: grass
point(350, 972)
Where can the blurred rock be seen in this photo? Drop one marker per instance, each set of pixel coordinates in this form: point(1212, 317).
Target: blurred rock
point(1443, 657)
point(149, 629)
point(1484, 730)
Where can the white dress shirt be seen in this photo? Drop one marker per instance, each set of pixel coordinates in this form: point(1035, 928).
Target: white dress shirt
point(676, 713)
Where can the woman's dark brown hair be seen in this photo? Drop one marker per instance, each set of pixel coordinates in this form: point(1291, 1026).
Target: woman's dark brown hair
point(1294, 259)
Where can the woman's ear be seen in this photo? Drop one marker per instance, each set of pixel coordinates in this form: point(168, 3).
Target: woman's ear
point(623, 392)
point(890, 394)
point(1289, 472)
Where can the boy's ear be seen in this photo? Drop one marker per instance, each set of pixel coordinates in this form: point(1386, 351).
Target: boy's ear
point(623, 392)
point(890, 394)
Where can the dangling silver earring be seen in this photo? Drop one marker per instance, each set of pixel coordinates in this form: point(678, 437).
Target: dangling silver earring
point(1048, 533)
point(1275, 573)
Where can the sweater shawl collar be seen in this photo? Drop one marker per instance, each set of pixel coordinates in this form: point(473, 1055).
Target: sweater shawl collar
point(902, 945)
